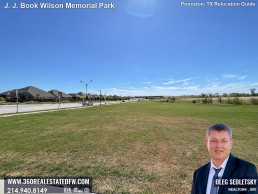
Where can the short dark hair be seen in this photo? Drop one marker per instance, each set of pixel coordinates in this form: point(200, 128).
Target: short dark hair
point(219, 127)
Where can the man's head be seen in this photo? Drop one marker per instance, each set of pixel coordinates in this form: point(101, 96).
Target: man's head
point(219, 142)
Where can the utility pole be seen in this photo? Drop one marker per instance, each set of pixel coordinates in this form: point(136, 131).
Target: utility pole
point(99, 97)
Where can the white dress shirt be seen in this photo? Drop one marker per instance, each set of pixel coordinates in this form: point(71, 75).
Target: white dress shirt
point(212, 173)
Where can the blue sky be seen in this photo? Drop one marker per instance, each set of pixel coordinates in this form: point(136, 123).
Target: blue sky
point(141, 47)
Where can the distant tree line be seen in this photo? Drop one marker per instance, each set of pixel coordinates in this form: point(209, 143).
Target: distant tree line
point(235, 94)
point(232, 98)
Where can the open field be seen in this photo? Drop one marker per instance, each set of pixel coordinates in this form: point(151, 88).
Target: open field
point(140, 147)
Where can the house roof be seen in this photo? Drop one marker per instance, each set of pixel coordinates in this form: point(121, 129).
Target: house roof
point(75, 95)
point(95, 95)
point(36, 92)
point(6, 93)
point(81, 93)
point(56, 92)
point(90, 96)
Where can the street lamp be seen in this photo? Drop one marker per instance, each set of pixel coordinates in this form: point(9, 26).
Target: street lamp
point(86, 87)
point(99, 97)
point(17, 101)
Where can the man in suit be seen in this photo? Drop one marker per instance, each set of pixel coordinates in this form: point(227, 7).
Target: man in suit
point(219, 143)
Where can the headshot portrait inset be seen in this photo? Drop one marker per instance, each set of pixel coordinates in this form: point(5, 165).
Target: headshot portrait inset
point(223, 164)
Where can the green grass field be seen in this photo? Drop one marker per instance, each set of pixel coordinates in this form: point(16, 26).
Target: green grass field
point(141, 147)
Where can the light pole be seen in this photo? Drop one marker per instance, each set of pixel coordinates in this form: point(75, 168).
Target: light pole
point(59, 98)
point(99, 97)
point(86, 87)
point(17, 101)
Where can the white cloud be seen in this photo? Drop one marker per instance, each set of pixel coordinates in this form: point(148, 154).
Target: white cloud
point(234, 76)
point(163, 88)
point(185, 87)
point(242, 77)
point(178, 81)
point(170, 82)
point(229, 76)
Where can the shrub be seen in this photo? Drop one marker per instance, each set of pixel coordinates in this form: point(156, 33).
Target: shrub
point(207, 100)
point(254, 101)
point(229, 101)
point(236, 101)
point(2, 99)
point(219, 100)
point(171, 99)
point(30, 102)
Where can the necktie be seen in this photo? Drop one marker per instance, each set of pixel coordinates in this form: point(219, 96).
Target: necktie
point(214, 188)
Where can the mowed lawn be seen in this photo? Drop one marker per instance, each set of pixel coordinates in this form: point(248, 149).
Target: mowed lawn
point(140, 147)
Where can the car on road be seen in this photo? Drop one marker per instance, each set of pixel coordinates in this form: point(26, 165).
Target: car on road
point(87, 103)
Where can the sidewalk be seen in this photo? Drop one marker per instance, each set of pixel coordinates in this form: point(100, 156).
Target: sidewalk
point(10, 110)
point(2, 186)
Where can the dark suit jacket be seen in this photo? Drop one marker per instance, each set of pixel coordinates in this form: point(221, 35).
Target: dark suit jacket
point(235, 168)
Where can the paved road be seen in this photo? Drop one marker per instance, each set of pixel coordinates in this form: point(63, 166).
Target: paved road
point(7, 109)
